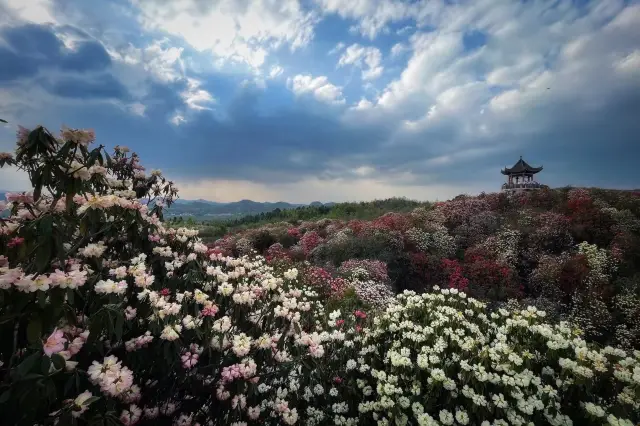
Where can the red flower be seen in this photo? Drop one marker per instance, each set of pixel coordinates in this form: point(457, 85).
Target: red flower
point(360, 314)
point(337, 380)
point(165, 292)
point(339, 322)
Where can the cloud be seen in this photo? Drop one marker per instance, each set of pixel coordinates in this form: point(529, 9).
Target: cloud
point(367, 58)
point(36, 11)
point(398, 49)
point(372, 15)
point(461, 90)
point(319, 87)
point(29, 49)
point(276, 70)
point(195, 97)
point(99, 87)
point(337, 49)
point(232, 30)
point(137, 108)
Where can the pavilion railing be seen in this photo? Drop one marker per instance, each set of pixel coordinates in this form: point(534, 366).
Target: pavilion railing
point(527, 185)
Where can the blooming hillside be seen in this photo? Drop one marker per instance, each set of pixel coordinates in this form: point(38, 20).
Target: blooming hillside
point(109, 317)
point(574, 253)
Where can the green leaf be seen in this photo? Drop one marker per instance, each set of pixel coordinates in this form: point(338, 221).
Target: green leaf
point(28, 363)
point(4, 121)
point(31, 376)
point(6, 394)
point(37, 184)
point(69, 200)
point(42, 299)
point(91, 400)
point(70, 295)
point(34, 330)
point(45, 365)
point(119, 326)
point(69, 384)
point(43, 255)
point(58, 361)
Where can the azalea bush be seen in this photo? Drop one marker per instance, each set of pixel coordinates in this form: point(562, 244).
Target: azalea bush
point(107, 316)
point(443, 359)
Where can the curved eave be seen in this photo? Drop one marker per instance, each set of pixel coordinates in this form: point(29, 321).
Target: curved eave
point(531, 171)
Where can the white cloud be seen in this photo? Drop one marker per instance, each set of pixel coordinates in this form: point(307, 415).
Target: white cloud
point(36, 11)
point(162, 61)
point(337, 49)
point(630, 63)
point(276, 70)
point(363, 104)
point(445, 86)
point(319, 87)
point(372, 15)
point(137, 109)
point(367, 58)
point(195, 97)
point(398, 49)
point(404, 30)
point(177, 119)
point(233, 30)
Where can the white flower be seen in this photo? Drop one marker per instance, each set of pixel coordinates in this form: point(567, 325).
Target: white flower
point(446, 417)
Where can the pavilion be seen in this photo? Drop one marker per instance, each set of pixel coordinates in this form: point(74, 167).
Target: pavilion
point(520, 177)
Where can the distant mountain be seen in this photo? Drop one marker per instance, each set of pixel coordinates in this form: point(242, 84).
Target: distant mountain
point(203, 209)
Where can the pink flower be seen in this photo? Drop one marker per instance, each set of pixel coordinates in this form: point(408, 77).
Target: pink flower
point(189, 360)
point(55, 343)
point(209, 311)
point(15, 242)
point(23, 135)
point(360, 314)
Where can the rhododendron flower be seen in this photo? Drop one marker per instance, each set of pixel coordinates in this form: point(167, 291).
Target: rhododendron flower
point(15, 242)
point(54, 343)
point(80, 403)
point(130, 313)
point(189, 360)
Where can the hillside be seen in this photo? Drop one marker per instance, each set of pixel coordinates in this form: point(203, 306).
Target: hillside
point(572, 252)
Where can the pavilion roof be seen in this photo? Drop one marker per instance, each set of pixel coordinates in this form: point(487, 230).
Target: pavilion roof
point(521, 167)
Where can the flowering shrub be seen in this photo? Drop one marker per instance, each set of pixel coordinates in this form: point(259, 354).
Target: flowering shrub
point(309, 241)
point(441, 359)
point(374, 269)
point(456, 278)
point(109, 317)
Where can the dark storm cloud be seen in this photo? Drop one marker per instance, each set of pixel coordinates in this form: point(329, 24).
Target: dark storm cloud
point(33, 50)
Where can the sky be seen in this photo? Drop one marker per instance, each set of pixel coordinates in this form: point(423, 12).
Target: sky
point(333, 100)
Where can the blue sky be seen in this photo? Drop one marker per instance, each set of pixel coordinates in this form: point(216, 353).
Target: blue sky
point(332, 100)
